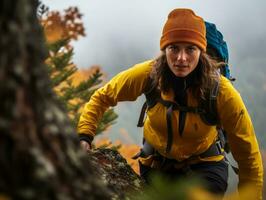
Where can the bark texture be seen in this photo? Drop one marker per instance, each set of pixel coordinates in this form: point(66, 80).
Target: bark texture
point(40, 156)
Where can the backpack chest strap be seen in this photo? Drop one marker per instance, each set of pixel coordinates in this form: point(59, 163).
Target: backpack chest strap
point(171, 106)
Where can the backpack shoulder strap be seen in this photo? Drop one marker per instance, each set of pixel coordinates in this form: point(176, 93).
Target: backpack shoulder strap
point(210, 116)
point(151, 94)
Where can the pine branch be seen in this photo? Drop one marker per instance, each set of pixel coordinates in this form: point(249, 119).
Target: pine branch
point(58, 45)
point(63, 76)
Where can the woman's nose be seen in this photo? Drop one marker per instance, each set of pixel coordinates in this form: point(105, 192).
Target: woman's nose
point(182, 56)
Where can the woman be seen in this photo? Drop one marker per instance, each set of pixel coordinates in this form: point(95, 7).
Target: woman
point(183, 138)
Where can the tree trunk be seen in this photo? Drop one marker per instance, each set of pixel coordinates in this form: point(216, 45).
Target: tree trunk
point(40, 157)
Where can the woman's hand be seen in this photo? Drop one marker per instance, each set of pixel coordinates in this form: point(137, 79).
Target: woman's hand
point(85, 145)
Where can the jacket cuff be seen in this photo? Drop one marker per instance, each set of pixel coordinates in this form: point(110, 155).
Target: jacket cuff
point(85, 137)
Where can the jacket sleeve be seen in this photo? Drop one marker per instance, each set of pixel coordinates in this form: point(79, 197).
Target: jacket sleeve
point(126, 86)
point(236, 121)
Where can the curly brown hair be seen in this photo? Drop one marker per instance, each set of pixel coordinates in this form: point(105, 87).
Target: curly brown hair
point(204, 75)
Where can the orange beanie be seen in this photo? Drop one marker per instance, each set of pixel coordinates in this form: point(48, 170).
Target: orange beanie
point(183, 25)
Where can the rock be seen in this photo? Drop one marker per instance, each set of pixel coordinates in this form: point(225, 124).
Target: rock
point(116, 173)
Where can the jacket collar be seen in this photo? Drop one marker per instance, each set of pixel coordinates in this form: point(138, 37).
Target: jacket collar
point(180, 85)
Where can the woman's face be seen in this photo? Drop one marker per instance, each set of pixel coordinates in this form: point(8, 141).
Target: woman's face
point(182, 58)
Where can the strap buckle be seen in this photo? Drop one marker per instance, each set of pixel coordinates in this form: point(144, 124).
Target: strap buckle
point(219, 146)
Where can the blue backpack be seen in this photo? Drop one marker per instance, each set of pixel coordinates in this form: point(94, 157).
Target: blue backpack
point(217, 47)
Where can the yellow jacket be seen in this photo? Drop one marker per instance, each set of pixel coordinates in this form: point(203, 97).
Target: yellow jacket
point(197, 136)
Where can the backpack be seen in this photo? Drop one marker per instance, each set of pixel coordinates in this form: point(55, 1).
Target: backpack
point(217, 47)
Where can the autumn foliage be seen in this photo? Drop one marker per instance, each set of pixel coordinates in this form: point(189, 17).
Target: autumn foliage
point(63, 25)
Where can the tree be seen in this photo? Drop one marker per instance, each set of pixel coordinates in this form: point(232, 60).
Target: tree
point(60, 29)
point(40, 156)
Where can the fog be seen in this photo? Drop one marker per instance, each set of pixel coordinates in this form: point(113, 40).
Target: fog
point(121, 33)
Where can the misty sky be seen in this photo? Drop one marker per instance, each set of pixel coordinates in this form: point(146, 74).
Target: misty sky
point(121, 33)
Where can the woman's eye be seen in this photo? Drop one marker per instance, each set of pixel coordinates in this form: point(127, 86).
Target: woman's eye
point(173, 48)
point(191, 49)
